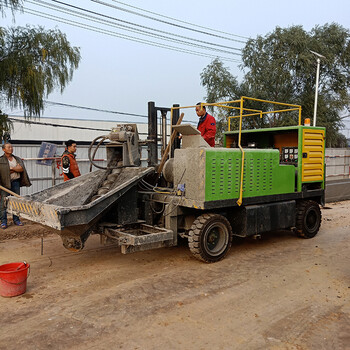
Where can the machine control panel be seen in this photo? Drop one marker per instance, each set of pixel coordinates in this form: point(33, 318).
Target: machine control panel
point(289, 155)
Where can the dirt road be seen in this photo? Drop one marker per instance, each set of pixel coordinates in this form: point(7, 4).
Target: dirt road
point(280, 292)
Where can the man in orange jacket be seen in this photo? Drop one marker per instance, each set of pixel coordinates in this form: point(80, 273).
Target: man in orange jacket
point(206, 125)
point(69, 163)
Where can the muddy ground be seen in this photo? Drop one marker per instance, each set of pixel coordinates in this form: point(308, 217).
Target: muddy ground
point(280, 292)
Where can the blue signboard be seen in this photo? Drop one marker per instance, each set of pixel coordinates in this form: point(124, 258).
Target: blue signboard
point(47, 150)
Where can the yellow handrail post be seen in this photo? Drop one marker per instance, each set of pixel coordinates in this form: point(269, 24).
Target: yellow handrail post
point(239, 201)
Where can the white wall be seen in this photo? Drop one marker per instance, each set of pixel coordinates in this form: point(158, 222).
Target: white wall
point(337, 163)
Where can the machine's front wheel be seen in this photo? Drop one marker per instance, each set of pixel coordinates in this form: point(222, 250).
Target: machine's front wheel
point(210, 237)
point(308, 219)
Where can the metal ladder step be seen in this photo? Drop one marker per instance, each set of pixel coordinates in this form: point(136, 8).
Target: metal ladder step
point(140, 237)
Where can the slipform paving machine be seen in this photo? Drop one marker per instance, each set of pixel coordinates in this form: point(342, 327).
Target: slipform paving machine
point(261, 180)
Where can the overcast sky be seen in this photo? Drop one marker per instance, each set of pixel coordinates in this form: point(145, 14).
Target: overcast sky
point(123, 75)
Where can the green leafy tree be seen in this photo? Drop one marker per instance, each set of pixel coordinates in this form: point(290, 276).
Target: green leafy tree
point(280, 67)
point(33, 62)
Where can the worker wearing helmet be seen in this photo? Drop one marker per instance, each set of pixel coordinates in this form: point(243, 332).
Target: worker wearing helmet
point(206, 124)
point(68, 161)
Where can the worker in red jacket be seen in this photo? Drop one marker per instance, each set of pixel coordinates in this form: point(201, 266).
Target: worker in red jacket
point(69, 163)
point(206, 124)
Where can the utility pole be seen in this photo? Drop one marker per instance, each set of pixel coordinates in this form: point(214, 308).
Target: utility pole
point(319, 56)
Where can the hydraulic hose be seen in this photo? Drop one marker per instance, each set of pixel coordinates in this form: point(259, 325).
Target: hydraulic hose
point(91, 159)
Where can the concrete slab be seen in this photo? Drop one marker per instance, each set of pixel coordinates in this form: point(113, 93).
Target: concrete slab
point(337, 190)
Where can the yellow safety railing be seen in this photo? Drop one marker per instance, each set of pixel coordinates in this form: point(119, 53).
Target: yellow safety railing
point(261, 113)
point(241, 109)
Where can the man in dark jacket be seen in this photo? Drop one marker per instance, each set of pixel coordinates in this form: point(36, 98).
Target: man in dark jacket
point(206, 124)
point(13, 175)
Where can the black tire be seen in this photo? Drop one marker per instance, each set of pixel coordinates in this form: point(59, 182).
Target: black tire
point(308, 220)
point(210, 237)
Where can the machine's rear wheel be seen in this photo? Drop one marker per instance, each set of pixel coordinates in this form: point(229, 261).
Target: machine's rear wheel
point(308, 220)
point(210, 237)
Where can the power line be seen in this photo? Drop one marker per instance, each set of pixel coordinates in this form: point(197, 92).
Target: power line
point(179, 20)
point(11, 118)
point(163, 21)
point(143, 32)
point(134, 24)
point(52, 124)
point(61, 125)
point(95, 109)
point(139, 31)
point(101, 110)
point(127, 37)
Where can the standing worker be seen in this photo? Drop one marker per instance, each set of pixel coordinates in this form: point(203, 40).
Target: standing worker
point(13, 175)
point(206, 125)
point(69, 163)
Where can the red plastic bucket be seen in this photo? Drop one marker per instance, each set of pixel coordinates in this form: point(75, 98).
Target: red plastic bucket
point(13, 279)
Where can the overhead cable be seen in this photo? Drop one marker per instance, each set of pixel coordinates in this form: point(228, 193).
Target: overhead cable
point(123, 36)
point(61, 125)
point(26, 121)
point(101, 110)
point(179, 20)
point(129, 28)
point(52, 124)
point(95, 109)
point(166, 22)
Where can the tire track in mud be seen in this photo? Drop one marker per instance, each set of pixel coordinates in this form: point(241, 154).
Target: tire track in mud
point(159, 294)
point(332, 331)
point(170, 287)
point(114, 307)
point(209, 277)
point(311, 328)
point(165, 291)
